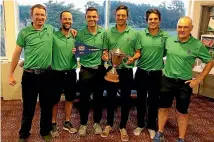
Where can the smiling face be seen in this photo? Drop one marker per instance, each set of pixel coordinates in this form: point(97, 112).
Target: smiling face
point(66, 20)
point(121, 17)
point(153, 21)
point(92, 18)
point(184, 28)
point(38, 17)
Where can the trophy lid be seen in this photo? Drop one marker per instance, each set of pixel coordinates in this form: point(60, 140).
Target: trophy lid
point(118, 51)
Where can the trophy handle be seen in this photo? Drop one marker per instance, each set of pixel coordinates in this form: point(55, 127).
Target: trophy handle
point(110, 54)
point(126, 57)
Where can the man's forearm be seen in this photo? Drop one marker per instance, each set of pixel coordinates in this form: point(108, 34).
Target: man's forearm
point(136, 55)
point(205, 71)
point(15, 60)
point(14, 63)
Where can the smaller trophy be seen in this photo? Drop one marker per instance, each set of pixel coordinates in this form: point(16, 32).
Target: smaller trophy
point(117, 56)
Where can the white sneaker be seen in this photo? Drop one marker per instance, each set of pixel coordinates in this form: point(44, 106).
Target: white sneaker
point(106, 131)
point(152, 133)
point(137, 131)
point(97, 128)
point(82, 130)
point(124, 135)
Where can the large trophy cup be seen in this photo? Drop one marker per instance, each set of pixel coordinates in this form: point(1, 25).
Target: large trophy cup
point(116, 56)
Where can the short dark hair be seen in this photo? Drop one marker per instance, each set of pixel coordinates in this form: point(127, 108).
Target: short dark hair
point(40, 6)
point(124, 8)
point(155, 11)
point(63, 12)
point(91, 9)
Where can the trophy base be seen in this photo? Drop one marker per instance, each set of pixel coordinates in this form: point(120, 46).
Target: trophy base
point(112, 77)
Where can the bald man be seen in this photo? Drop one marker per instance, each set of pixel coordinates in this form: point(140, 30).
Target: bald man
point(177, 82)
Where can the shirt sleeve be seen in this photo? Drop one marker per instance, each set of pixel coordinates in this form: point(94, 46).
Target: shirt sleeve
point(106, 41)
point(138, 45)
point(77, 38)
point(204, 55)
point(164, 38)
point(20, 39)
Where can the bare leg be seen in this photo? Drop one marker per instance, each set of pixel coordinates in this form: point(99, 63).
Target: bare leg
point(162, 118)
point(54, 113)
point(68, 109)
point(182, 124)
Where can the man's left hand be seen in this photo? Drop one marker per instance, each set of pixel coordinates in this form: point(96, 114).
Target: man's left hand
point(73, 32)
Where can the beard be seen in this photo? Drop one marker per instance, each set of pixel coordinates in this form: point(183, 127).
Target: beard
point(66, 27)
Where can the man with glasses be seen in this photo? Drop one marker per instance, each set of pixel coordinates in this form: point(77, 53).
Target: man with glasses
point(149, 72)
point(91, 76)
point(182, 50)
point(127, 39)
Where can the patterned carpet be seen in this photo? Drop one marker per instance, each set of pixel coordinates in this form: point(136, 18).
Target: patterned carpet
point(201, 124)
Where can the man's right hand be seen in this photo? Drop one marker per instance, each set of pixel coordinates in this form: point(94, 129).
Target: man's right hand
point(105, 56)
point(74, 50)
point(12, 81)
point(21, 64)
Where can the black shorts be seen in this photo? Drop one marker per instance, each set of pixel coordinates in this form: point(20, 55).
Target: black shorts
point(64, 81)
point(175, 88)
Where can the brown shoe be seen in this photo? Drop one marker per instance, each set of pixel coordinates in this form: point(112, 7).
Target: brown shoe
point(123, 135)
point(106, 131)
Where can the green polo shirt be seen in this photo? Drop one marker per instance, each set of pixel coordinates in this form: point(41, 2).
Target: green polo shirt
point(63, 58)
point(181, 57)
point(95, 40)
point(152, 50)
point(37, 46)
point(128, 41)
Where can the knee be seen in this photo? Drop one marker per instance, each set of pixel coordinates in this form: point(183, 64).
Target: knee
point(182, 115)
point(182, 110)
point(163, 110)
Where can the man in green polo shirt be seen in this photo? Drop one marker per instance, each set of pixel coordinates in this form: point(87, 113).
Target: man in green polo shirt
point(36, 40)
point(149, 72)
point(127, 39)
point(64, 72)
point(91, 76)
point(182, 50)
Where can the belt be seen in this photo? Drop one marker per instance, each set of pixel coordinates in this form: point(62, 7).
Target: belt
point(176, 79)
point(95, 67)
point(36, 71)
point(65, 71)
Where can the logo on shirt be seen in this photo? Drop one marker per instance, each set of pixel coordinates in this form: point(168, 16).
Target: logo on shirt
point(188, 51)
point(102, 37)
point(128, 39)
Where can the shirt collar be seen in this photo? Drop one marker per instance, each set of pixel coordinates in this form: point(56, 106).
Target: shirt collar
point(188, 41)
point(86, 31)
point(114, 29)
point(60, 34)
point(32, 27)
point(160, 32)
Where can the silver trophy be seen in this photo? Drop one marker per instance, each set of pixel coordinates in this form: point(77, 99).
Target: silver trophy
point(116, 56)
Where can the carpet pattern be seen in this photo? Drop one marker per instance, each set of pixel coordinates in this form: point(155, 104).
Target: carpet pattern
point(200, 129)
